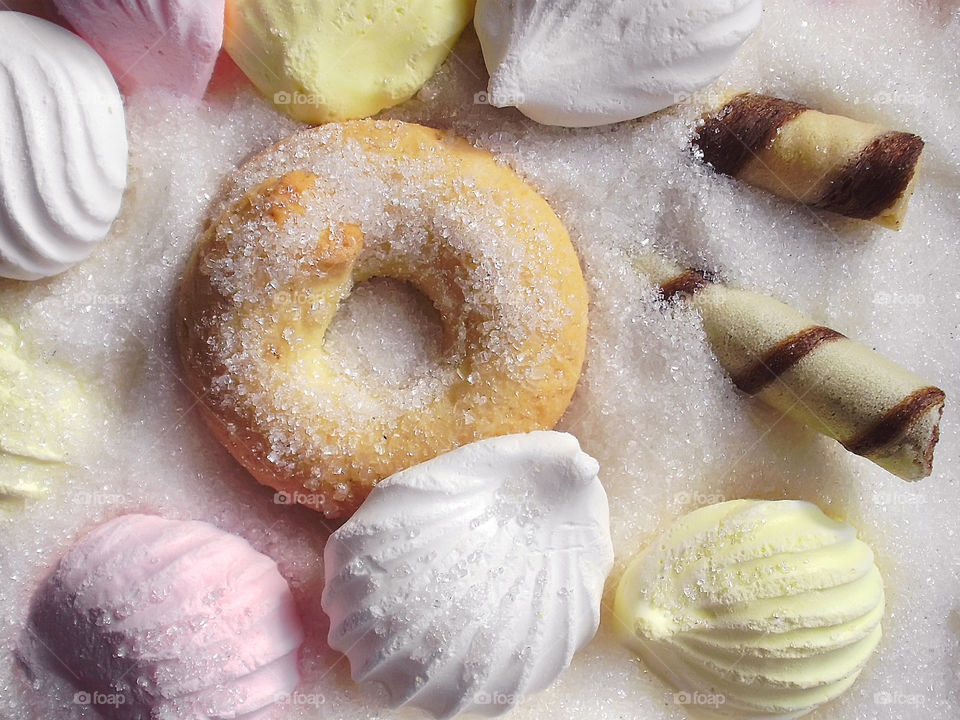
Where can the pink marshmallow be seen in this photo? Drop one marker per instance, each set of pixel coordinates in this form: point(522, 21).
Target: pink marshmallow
point(168, 44)
point(179, 619)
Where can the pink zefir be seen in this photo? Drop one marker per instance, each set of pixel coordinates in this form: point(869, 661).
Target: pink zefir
point(166, 618)
point(166, 44)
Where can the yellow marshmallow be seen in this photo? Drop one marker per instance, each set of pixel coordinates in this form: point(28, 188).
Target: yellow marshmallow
point(762, 609)
point(322, 61)
point(45, 414)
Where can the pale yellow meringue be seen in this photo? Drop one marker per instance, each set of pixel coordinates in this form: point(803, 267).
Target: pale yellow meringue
point(766, 608)
point(322, 61)
point(45, 415)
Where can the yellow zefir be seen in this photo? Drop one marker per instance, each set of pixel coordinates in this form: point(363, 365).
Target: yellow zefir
point(753, 608)
point(45, 415)
point(322, 61)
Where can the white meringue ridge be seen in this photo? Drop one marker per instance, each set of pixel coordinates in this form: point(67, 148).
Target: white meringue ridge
point(468, 582)
point(63, 148)
point(578, 63)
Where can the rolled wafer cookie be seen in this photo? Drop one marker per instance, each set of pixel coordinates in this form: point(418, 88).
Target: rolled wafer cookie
point(813, 374)
point(830, 162)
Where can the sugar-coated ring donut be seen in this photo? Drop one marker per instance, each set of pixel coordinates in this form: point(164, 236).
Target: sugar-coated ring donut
point(297, 227)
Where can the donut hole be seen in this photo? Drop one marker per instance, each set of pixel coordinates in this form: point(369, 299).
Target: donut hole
point(386, 332)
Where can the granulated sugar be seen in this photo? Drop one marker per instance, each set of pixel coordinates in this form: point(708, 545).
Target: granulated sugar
point(669, 429)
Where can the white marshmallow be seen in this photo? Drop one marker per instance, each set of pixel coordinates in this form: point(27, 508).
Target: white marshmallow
point(63, 148)
point(469, 581)
point(582, 63)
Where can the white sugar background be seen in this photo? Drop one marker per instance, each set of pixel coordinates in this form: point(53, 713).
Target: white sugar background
point(669, 429)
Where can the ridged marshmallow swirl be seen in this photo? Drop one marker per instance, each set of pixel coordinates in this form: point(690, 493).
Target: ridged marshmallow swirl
point(63, 148)
point(578, 64)
point(169, 44)
point(182, 619)
point(771, 605)
point(469, 581)
point(47, 415)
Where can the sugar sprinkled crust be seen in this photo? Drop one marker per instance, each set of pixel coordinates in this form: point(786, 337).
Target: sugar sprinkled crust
point(343, 203)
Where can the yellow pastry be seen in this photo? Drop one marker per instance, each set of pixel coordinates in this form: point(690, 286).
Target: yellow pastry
point(339, 204)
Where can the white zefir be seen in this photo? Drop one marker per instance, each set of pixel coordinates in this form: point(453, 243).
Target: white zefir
point(469, 581)
point(63, 148)
point(585, 63)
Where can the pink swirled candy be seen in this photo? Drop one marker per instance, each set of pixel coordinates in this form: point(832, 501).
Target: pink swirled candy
point(168, 44)
point(170, 618)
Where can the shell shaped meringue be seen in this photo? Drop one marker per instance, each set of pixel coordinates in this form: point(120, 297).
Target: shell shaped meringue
point(582, 64)
point(47, 415)
point(469, 581)
point(770, 604)
point(168, 44)
point(63, 148)
point(179, 618)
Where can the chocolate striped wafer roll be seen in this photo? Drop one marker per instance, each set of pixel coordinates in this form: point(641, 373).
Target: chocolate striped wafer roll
point(826, 161)
point(830, 383)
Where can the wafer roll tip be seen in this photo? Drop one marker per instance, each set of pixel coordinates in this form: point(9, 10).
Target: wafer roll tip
point(814, 374)
point(830, 162)
point(903, 440)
